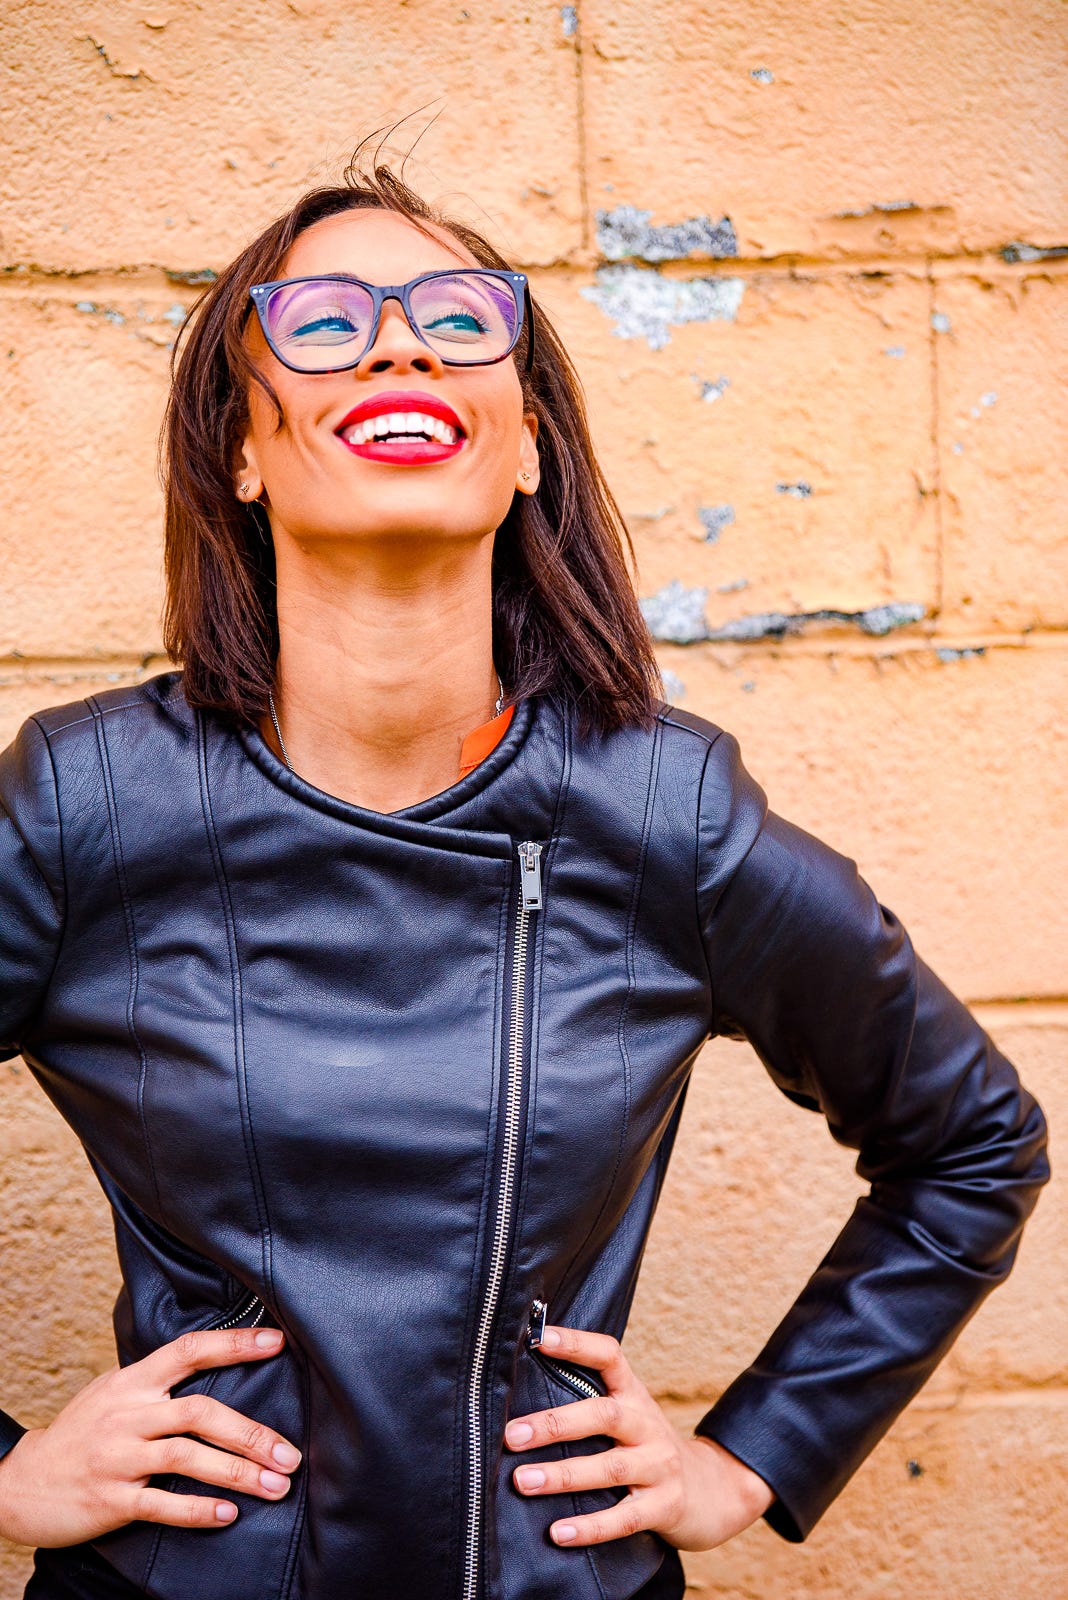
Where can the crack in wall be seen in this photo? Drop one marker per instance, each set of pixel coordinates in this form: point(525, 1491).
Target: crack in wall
point(675, 614)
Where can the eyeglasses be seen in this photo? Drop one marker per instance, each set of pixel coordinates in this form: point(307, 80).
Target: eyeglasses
point(470, 317)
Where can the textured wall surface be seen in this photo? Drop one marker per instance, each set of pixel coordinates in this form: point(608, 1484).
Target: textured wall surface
point(813, 265)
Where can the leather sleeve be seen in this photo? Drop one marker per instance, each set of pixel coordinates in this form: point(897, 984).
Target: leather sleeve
point(31, 905)
point(823, 981)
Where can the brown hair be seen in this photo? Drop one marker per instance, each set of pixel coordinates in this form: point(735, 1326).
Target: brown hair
point(566, 621)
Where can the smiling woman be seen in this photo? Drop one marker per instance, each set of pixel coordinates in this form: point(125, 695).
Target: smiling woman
point(369, 955)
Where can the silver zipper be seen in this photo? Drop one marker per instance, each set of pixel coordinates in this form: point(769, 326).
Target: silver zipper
point(573, 1380)
point(530, 899)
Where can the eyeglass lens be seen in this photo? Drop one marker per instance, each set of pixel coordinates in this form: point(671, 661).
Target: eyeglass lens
point(324, 322)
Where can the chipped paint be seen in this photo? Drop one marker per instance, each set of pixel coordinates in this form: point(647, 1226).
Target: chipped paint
point(644, 304)
point(732, 588)
point(985, 400)
point(714, 519)
point(710, 389)
point(940, 322)
point(625, 233)
point(800, 490)
point(966, 653)
point(897, 350)
point(1017, 250)
point(191, 275)
point(676, 615)
point(569, 21)
point(109, 314)
point(762, 74)
point(878, 207)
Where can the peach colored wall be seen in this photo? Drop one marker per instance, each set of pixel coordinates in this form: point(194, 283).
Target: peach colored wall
point(813, 264)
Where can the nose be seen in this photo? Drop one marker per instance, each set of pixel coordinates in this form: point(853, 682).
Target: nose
point(398, 346)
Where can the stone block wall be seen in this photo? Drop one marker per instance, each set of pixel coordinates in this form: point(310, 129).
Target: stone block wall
point(812, 263)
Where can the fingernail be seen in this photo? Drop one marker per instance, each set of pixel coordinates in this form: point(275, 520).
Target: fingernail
point(285, 1455)
point(551, 1337)
point(273, 1480)
point(564, 1534)
point(518, 1432)
point(225, 1513)
point(530, 1477)
point(268, 1337)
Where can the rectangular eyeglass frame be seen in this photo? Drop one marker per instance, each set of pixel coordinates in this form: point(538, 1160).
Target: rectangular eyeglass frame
point(260, 294)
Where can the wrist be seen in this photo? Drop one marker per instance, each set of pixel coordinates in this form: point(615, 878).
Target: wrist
point(12, 1520)
point(753, 1493)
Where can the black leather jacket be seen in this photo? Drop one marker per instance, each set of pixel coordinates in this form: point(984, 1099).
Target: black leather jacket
point(387, 1080)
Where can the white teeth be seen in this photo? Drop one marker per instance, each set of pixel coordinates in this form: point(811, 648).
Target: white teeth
point(403, 422)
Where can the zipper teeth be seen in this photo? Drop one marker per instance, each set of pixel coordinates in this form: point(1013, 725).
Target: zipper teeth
point(242, 1311)
point(511, 1136)
point(579, 1384)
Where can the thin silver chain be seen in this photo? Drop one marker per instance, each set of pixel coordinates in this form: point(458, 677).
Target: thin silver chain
point(498, 707)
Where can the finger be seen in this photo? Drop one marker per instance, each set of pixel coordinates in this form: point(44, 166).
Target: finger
point(576, 1420)
point(180, 1510)
point(201, 1461)
point(604, 1470)
point(220, 1425)
point(209, 1347)
point(631, 1515)
point(597, 1350)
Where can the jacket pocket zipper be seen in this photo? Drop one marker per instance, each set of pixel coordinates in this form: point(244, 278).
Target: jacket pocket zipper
point(244, 1308)
point(569, 1376)
point(530, 899)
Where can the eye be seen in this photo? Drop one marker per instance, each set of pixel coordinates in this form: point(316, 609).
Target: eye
point(457, 320)
point(325, 325)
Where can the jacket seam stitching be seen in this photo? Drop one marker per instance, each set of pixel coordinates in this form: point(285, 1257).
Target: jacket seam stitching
point(96, 713)
point(237, 999)
point(621, 1026)
point(64, 909)
point(289, 1571)
point(654, 767)
point(713, 1025)
point(131, 945)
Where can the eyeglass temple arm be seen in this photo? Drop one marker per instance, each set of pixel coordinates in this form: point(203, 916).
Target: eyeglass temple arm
point(530, 328)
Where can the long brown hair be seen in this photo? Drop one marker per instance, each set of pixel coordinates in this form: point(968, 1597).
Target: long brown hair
point(566, 622)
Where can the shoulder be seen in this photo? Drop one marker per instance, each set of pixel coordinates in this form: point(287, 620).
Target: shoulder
point(65, 757)
point(730, 806)
point(683, 783)
point(157, 702)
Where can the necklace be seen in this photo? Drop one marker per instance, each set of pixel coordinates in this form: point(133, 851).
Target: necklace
point(498, 707)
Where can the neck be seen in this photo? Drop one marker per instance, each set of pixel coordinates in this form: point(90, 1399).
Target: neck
point(385, 663)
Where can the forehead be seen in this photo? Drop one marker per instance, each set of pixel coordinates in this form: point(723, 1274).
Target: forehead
point(378, 246)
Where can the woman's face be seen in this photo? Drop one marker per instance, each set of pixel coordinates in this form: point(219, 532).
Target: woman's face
point(315, 484)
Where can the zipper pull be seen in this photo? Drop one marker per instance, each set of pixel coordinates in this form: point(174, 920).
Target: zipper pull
point(530, 875)
point(538, 1312)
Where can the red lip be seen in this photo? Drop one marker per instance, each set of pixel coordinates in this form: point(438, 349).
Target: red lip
point(402, 400)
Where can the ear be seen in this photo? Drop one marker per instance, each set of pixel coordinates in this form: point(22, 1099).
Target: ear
point(248, 482)
point(528, 473)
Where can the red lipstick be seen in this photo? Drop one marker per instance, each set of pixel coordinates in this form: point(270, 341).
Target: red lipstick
point(421, 428)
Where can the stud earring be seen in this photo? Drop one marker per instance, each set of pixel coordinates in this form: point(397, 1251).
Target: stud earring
point(244, 488)
point(524, 474)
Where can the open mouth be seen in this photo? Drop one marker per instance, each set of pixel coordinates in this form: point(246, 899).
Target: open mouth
point(403, 437)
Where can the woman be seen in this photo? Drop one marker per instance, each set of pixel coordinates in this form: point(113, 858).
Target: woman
point(369, 957)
